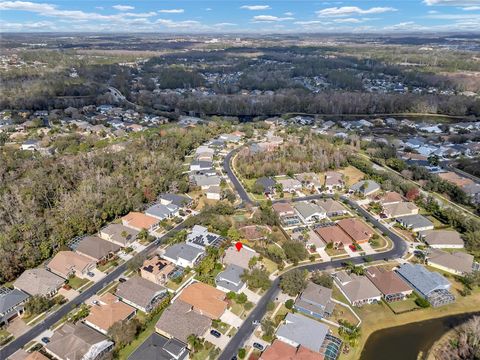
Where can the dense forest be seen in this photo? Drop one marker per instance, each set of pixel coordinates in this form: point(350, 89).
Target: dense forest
point(310, 153)
point(46, 201)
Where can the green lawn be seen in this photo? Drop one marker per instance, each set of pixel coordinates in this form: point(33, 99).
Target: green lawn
point(237, 309)
point(221, 326)
point(4, 335)
point(399, 307)
point(76, 282)
point(270, 266)
point(204, 354)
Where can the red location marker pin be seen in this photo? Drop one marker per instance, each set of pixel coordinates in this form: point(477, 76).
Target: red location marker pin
point(238, 245)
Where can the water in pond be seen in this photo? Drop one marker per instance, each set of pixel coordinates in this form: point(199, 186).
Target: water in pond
point(407, 341)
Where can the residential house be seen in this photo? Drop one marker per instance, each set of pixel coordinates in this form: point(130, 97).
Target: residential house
point(415, 223)
point(96, 248)
point(334, 180)
point(141, 293)
point(200, 238)
point(30, 145)
point(297, 330)
point(365, 187)
point(78, 342)
point(400, 209)
point(229, 279)
point(332, 208)
point(39, 282)
point(283, 209)
point(335, 235)
point(266, 184)
point(280, 350)
point(309, 211)
point(429, 285)
point(183, 255)
point(455, 179)
point(240, 258)
point(157, 347)
point(356, 229)
point(162, 212)
point(67, 263)
point(179, 200)
point(200, 165)
point(180, 320)
point(315, 301)
point(458, 263)
point(119, 234)
point(23, 355)
point(309, 180)
point(310, 238)
point(156, 270)
point(473, 191)
point(11, 304)
point(389, 198)
point(415, 143)
point(206, 181)
point(357, 289)
point(139, 221)
point(439, 239)
point(106, 311)
point(290, 185)
point(390, 284)
point(205, 299)
point(214, 193)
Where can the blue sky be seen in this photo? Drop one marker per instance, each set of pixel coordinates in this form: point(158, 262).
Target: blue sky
point(231, 16)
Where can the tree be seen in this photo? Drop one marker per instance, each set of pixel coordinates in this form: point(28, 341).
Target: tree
point(124, 332)
point(233, 234)
point(242, 353)
point(38, 304)
point(322, 279)
point(257, 279)
point(252, 262)
point(294, 282)
point(349, 332)
point(268, 328)
point(289, 304)
point(241, 298)
point(195, 342)
point(295, 251)
point(412, 194)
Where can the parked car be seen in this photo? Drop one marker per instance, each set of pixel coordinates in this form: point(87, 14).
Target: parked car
point(215, 333)
point(45, 340)
point(352, 247)
point(258, 346)
point(90, 274)
point(122, 280)
point(255, 322)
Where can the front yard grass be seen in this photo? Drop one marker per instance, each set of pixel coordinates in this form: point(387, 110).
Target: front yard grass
point(76, 282)
point(335, 252)
point(352, 175)
point(270, 266)
point(208, 352)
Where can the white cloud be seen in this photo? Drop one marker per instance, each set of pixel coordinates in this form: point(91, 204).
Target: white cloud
point(311, 22)
point(288, 13)
point(270, 18)
point(172, 11)
point(208, 9)
point(348, 20)
point(225, 24)
point(471, 8)
point(123, 7)
point(433, 12)
point(452, 2)
point(255, 7)
point(177, 24)
point(352, 10)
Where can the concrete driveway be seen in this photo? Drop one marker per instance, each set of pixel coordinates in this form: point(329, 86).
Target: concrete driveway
point(253, 297)
point(323, 254)
point(231, 319)
point(367, 248)
point(350, 252)
point(220, 342)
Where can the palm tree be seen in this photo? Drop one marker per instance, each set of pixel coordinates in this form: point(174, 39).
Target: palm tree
point(195, 342)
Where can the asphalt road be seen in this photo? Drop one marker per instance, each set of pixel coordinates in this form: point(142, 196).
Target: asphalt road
point(247, 328)
point(233, 178)
point(35, 331)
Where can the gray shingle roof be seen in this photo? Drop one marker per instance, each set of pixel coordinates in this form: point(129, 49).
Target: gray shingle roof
point(9, 298)
point(416, 221)
point(184, 251)
point(38, 282)
point(230, 278)
point(158, 347)
point(304, 331)
point(370, 187)
point(139, 291)
point(116, 231)
point(176, 199)
point(96, 247)
point(160, 211)
point(421, 279)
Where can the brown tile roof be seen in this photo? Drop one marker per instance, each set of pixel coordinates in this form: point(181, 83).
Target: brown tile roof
point(333, 234)
point(356, 229)
point(139, 221)
point(282, 207)
point(205, 299)
point(179, 320)
point(388, 282)
point(96, 248)
point(108, 311)
point(455, 179)
point(333, 178)
point(283, 351)
point(390, 197)
point(36, 356)
point(331, 205)
point(400, 209)
point(64, 262)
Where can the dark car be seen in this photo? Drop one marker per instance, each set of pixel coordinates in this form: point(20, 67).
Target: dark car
point(258, 346)
point(215, 333)
point(122, 280)
point(90, 274)
point(45, 340)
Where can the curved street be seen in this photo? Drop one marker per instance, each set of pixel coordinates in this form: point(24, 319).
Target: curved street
point(248, 327)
